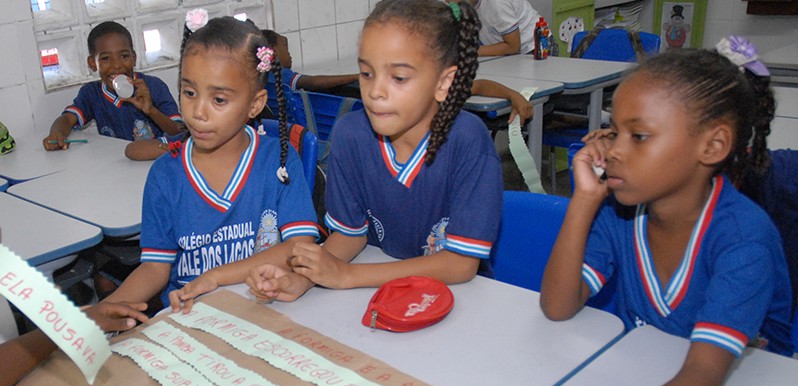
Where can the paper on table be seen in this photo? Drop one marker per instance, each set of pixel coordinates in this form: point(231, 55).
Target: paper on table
point(279, 352)
point(520, 151)
point(218, 369)
point(159, 363)
point(67, 326)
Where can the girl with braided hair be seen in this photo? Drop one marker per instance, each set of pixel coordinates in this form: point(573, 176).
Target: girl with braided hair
point(691, 255)
point(228, 198)
point(412, 173)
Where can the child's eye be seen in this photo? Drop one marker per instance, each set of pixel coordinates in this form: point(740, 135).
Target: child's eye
point(219, 101)
point(639, 137)
point(365, 74)
point(399, 79)
point(611, 135)
point(189, 93)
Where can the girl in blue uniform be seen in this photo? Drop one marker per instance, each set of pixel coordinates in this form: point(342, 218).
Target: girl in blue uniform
point(411, 173)
point(229, 198)
point(690, 254)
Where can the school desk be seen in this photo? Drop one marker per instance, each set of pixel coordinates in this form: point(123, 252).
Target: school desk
point(106, 193)
point(783, 133)
point(648, 356)
point(495, 107)
point(496, 333)
point(41, 236)
point(578, 76)
point(786, 102)
point(29, 160)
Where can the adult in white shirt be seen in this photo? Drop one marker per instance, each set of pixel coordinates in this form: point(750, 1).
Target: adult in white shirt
point(508, 26)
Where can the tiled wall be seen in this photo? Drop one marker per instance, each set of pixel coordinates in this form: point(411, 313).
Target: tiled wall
point(317, 30)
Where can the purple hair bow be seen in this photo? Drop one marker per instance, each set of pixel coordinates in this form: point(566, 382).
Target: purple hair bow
point(742, 53)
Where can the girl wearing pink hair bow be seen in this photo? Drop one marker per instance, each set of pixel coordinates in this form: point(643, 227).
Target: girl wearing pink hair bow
point(228, 198)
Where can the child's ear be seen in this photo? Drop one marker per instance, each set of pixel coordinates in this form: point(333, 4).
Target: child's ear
point(92, 63)
point(717, 144)
point(258, 102)
point(444, 82)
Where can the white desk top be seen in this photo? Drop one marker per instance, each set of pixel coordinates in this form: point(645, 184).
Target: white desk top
point(784, 57)
point(783, 133)
point(496, 333)
point(648, 356)
point(40, 235)
point(483, 103)
point(29, 160)
point(786, 101)
point(107, 193)
point(574, 74)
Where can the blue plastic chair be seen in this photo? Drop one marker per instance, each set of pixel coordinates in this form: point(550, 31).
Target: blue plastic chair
point(530, 224)
point(529, 228)
point(614, 45)
point(610, 44)
point(290, 100)
point(319, 112)
point(305, 143)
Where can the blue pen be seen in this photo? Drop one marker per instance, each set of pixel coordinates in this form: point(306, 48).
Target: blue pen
point(52, 141)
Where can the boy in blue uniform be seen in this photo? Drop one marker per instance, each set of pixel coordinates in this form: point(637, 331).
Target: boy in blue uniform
point(150, 113)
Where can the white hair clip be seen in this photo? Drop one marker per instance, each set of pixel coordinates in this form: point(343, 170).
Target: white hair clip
point(282, 174)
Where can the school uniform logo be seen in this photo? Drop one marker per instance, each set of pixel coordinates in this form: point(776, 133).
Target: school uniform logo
point(376, 225)
point(436, 240)
point(268, 234)
point(142, 130)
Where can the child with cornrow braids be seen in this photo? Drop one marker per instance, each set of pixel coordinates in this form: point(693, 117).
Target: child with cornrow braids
point(412, 173)
point(691, 255)
point(228, 198)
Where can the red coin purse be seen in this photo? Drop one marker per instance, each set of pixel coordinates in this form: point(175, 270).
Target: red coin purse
point(408, 304)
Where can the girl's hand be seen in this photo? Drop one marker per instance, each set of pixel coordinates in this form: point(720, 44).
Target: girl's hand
point(117, 316)
point(141, 98)
point(269, 282)
point(592, 155)
point(183, 299)
point(315, 263)
point(520, 107)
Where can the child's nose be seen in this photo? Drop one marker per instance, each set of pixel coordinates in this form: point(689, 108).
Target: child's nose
point(199, 110)
point(377, 89)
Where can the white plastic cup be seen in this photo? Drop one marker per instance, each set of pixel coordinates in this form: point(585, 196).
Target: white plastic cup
point(123, 86)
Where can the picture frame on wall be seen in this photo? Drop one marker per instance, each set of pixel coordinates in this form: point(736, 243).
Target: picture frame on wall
point(680, 23)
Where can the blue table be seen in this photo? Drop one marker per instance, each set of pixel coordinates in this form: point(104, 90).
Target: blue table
point(578, 76)
point(44, 238)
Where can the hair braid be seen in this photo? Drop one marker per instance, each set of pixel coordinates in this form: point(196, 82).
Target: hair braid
point(460, 90)
point(282, 112)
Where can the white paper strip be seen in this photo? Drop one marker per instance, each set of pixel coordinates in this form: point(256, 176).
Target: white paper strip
point(159, 363)
point(520, 151)
point(54, 314)
point(281, 353)
point(217, 368)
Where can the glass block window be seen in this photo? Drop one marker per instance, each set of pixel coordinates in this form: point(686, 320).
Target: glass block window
point(62, 26)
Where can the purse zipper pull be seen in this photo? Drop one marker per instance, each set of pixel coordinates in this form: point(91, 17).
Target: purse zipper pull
point(373, 320)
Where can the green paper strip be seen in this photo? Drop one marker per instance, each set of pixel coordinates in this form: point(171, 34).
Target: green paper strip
point(159, 363)
point(520, 151)
point(215, 367)
point(68, 327)
point(279, 352)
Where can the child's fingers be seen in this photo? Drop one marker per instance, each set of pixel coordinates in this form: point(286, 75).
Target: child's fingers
point(174, 300)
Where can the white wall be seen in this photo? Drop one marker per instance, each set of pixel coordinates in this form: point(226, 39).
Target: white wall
point(317, 30)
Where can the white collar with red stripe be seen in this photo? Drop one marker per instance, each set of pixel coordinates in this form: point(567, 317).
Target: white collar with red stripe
point(666, 302)
point(404, 173)
point(111, 96)
point(237, 181)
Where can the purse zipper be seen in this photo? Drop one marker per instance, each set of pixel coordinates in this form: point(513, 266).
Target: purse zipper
point(373, 320)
